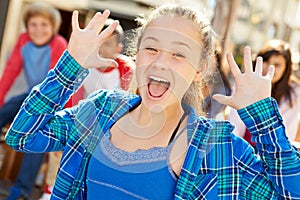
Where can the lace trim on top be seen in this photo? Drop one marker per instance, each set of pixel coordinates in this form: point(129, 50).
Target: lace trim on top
point(139, 156)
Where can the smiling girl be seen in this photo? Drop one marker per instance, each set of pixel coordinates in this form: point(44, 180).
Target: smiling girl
point(154, 145)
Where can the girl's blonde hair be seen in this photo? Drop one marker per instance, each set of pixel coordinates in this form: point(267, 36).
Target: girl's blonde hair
point(45, 10)
point(193, 96)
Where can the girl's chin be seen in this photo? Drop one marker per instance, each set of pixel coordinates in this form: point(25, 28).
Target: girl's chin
point(156, 108)
point(161, 104)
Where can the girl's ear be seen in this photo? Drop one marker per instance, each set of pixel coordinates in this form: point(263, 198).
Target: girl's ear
point(197, 77)
point(200, 73)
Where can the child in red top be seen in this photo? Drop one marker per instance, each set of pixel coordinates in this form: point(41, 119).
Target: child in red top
point(36, 51)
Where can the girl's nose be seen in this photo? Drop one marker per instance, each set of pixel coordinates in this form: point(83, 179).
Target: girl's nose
point(163, 60)
point(160, 66)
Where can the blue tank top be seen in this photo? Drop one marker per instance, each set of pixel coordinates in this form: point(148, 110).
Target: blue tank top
point(117, 174)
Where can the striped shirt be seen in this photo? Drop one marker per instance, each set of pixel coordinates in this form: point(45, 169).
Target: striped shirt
point(218, 164)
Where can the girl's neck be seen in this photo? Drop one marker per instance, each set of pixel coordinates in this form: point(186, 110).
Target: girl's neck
point(147, 124)
point(143, 129)
point(145, 116)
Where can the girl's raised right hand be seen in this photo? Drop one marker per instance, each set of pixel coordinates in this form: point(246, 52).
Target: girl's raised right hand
point(84, 43)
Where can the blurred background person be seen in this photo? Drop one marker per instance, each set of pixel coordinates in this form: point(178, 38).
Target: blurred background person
point(35, 52)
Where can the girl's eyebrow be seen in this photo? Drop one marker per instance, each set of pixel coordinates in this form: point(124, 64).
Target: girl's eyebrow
point(181, 44)
point(151, 38)
point(175, 42)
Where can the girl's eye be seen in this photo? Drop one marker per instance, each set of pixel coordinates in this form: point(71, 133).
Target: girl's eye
point(151, 49)
point(178, 55)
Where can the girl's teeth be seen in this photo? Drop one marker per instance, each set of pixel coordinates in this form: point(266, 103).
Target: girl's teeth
point(158, 79)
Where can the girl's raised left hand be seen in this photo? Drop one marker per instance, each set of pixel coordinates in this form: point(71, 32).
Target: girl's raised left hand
point(250, 86)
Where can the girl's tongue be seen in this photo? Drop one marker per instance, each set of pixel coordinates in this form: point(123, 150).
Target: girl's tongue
point(157, 88)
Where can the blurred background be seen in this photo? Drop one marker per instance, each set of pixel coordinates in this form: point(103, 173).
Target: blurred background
point(239, 22)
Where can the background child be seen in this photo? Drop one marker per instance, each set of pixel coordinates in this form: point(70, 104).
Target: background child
point(36, 52)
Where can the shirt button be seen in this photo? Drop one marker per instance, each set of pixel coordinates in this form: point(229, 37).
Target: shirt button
point(79, 79)
point(84, 74)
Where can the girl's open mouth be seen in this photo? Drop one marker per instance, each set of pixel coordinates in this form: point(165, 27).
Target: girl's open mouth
point(157, 86)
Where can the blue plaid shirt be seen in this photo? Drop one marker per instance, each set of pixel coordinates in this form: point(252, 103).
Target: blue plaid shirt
point(218, 165)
